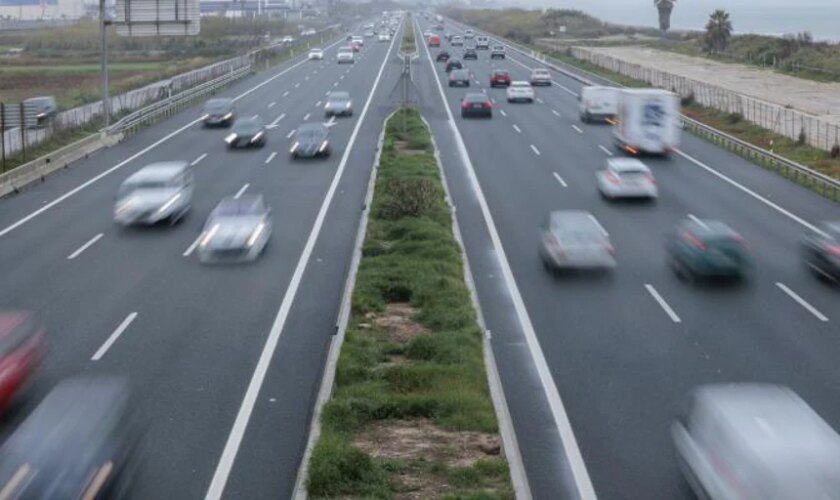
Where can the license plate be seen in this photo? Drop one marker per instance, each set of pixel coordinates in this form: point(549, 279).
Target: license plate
point(476, 105)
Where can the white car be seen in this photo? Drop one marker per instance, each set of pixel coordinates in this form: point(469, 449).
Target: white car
point(345, 55)
point(520, 91)
point(626, 178)
point(316, 54)
point(358, 39)
point(540, 76)
point(456, 41)
point(288, 39)
point(384, 37)
point(369, 34)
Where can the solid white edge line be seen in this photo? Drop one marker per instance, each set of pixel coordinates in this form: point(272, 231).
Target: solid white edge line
point(752, 193)
point(535, 150)
point(802, 302)
point(516, 127)
point(197, 160)
point(605, 150)
point(560, 180)
point(558, 410)
point(241, 191)
point(698, 221)
point(84, 247)
point(140, 153)
point(662, 303)
point(113, 337)
point(190, 249)
point(270, 157)
point(577, 129)
point(240, 425)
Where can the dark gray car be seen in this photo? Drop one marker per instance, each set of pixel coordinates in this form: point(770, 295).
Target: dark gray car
point(218, 112)
point(459, 78)
point(821, 252)
point(80, 442)
point(39, 111)
point(238, 229)
point(311, 140)
point(476, 105)
point(246, 133)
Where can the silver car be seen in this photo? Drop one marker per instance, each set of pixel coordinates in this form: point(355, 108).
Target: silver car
point(157, 192)
point(626, 178)
point(237, 230)
point(756, 442)
point(574, 239)
point(540, 76)
point(338, 104)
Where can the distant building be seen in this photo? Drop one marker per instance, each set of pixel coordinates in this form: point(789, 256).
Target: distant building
point(30, 10)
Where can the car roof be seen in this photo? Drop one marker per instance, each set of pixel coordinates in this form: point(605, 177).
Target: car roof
point(219, 101)
point(316, 49)
point(476, 97)
point(519, 83)
point(626, 165)
point(248, 121)
point(339, 94)
point(540, 70)
point(573, 218)
point(773, 421)
point(710, 229)
point(501, 71)
point(159, 171)
point(247, 204)
point(312, 127)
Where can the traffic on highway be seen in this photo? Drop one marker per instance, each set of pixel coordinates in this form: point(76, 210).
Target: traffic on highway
point(661, 310)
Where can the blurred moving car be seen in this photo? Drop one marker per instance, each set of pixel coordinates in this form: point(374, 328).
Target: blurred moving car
point(355, 46)
point(39, 111)
point(756, 441)
point(218, 112)
point(482, 42)
point(443, 56)
point(648, 121)
point(707, 249)
point(434, 40)
point(345, 55)
point(626, 178)
point(80, 442)
point(469, 34)
point(470, 54)
point(500, 78)
point(384, 37)
point(520, 91)
point(476, 105)
point(311, 140)
point(540, 76)
point(338, 104)
point(22, 348)
point(246, 132)
point(316, 54)
point(237, 230)
point(598, 103)
point(459, 78)
point(574, 239)
point(497, 52)
point(456, 41)
point(288, 39)
point(358, 39)
point(821, 252)
point(158, 192)
point(453, 64)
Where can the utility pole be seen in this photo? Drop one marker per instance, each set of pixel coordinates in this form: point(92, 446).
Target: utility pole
point(103, 50)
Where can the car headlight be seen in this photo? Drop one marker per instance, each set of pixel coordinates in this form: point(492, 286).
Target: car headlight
point(205, 240)
point(323, 147)
point(294, 147)
point(230, 138)
point(228, 116)
point(348, 104)
point(256, 234)
point(328, 106)
point(166, 206)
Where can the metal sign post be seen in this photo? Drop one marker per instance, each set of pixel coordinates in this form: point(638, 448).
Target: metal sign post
point(103, 61)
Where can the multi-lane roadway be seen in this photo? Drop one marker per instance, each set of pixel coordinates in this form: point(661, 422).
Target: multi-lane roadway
point(623, 350)
point(224, 361)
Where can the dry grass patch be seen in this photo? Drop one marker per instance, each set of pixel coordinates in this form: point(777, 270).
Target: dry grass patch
point(397, 324)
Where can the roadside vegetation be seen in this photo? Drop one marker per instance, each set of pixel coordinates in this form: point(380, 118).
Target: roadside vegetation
point(411, 415)
point(408, 45)
point(64, 62)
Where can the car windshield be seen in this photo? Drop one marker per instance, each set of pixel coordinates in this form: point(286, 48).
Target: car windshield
point(247, 127)
point(244, 206)
point(311, 131)
point(520, 85)
point(475, 98)
point(217, 105)
point(339, 96)
point(129, 187)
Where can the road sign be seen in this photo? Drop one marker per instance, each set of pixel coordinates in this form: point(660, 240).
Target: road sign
point(157, 17)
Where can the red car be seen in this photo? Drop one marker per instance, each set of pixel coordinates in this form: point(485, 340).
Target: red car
point(356, 46)
point(22, 347)
point(500, 78)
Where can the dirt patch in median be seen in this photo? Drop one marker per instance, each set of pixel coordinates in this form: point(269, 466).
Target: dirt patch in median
point(397, 323)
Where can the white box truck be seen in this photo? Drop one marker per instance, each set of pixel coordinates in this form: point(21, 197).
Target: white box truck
point(598, 103)
point(648, 121)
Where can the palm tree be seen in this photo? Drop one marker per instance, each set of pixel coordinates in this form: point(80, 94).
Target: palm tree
point(718, 31)
point(665, 7)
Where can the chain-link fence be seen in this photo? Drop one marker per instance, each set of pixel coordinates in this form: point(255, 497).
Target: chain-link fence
point(783, 120)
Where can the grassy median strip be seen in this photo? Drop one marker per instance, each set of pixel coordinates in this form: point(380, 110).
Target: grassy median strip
point(411, 412)
point(408, 46)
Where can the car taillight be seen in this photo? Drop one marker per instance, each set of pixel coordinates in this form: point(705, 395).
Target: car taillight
point(650, 178)
point(609, 248)
point(612, 178)
point(694, 241)
point(487, 105)
point(833, 250)
point(465, 104)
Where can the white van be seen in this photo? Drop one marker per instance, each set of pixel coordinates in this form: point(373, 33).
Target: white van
point(598, 103)
point(158, 192)
point(648, 121)
point(482, 42)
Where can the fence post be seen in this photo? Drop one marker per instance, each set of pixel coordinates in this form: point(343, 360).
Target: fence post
point(22, 131)
point(3, 134)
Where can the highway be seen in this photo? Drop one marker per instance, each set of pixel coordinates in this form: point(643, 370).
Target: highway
point(623, 350)
point(224, 361)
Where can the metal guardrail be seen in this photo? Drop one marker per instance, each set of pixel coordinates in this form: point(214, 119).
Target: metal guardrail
point(166, 107)
point(817, 182)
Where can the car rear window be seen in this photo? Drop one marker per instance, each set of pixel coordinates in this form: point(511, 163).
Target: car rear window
point(475, 98)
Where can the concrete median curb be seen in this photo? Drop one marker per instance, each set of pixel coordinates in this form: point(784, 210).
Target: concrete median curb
point(37, 169)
